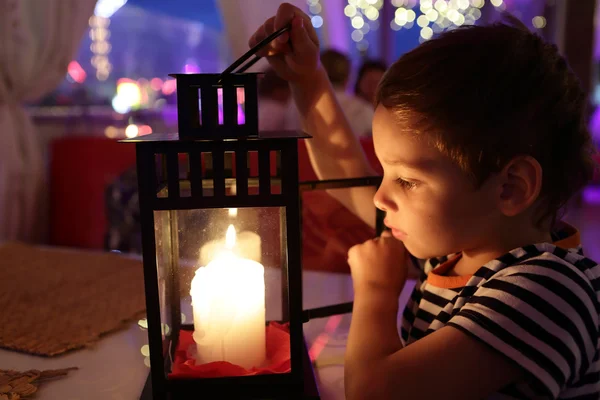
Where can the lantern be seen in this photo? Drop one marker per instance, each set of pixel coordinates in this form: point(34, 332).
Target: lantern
point(220, 220)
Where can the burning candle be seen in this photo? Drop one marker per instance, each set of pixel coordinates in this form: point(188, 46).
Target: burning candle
point(228, 301)
point(247, 245)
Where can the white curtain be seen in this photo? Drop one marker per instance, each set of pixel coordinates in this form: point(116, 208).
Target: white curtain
point(37, 41)
point(241, 18)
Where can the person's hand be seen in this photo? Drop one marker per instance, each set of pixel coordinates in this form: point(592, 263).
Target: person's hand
point(379, 263)
point(295, 54)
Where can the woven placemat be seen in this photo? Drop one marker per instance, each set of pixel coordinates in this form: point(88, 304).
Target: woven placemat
point(15, 385)
point(55, 300)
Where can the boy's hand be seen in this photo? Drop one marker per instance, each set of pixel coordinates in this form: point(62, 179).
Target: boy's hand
point(295, 54)
point(379, 263)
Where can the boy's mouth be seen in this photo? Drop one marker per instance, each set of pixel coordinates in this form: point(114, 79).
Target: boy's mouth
point(397, 233)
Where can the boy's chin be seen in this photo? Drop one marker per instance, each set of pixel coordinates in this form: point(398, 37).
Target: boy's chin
point(420, 253)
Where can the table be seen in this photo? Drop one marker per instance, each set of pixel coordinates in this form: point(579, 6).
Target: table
point(115, 368)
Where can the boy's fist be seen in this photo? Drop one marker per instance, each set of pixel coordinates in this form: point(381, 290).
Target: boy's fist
point(295, 54)
point(379, 263)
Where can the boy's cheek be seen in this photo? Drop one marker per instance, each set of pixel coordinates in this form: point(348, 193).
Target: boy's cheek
point(433, 237)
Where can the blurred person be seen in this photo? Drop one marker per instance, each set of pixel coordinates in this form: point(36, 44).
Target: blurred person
point(358, 111)
point(273, 98)
point(369, 75)
point(122, 207)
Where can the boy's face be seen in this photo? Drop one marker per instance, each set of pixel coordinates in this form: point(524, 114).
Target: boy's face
point(430, 203)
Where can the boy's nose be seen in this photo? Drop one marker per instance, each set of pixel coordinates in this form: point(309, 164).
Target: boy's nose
point(381, 201)
point(379, 205)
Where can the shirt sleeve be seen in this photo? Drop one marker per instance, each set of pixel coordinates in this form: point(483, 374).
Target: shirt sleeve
point(542, 314)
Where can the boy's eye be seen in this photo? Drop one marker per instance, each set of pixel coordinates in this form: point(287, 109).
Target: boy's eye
point(406, 184)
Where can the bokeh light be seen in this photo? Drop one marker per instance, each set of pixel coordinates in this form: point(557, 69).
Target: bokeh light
point(539, 22)
point(317, 21)
point(436, 15)
point(131, 131)
point(426, 33)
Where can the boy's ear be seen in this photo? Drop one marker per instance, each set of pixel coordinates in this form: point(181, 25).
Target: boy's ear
point(520, 185)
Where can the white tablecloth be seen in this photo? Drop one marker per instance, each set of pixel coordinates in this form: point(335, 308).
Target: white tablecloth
point(115, 369)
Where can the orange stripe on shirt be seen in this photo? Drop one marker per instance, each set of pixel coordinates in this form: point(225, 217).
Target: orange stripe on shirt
point(437, 277)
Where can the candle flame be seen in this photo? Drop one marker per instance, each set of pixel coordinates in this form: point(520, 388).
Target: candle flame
point(230, 237)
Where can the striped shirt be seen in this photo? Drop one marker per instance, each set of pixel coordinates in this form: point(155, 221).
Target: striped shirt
point(537, 305)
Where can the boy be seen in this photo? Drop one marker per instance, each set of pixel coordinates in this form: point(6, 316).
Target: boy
point(482, 140)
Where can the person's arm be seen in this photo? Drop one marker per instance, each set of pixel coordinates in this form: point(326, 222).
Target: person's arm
point(445, 364)
point(334, 150)
point(535, 323)
point(377, 366)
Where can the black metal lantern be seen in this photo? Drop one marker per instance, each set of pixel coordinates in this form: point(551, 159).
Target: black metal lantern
point(193, 186)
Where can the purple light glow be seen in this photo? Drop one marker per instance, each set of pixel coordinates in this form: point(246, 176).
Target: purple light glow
point(220, 104)
point(591, 194)
point(240, 115)
point(191, 68)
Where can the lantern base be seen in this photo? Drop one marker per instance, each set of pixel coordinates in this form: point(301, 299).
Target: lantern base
point(310, 390)
point(277, 361)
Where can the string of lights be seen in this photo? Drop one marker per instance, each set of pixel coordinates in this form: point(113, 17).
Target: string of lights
point(100, 35)
point(437, 16)
point(431, 16)
point(100, 47)
point(314, 11)
point(364, 18)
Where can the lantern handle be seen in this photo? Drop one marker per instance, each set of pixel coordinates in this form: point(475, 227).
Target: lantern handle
point(338, 309)
point(252, 52)
point(327, 311)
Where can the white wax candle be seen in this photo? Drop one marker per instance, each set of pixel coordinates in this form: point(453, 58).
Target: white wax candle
point(228, 301)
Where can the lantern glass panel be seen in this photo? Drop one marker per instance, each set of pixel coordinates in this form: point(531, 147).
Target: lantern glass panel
point(163, 225)
point(218, 287)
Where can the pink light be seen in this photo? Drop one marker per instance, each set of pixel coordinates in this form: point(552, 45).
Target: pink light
point(591, 195)
point(125, 80)
point(144, 130)
point(241, 117)
point(322, 340)
point(220, 104)
point(241, 95)
point(76, 72)
point(156, 84)
point(333, 323)
point(241, 99)
point(169, 87)
point(191, 69)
